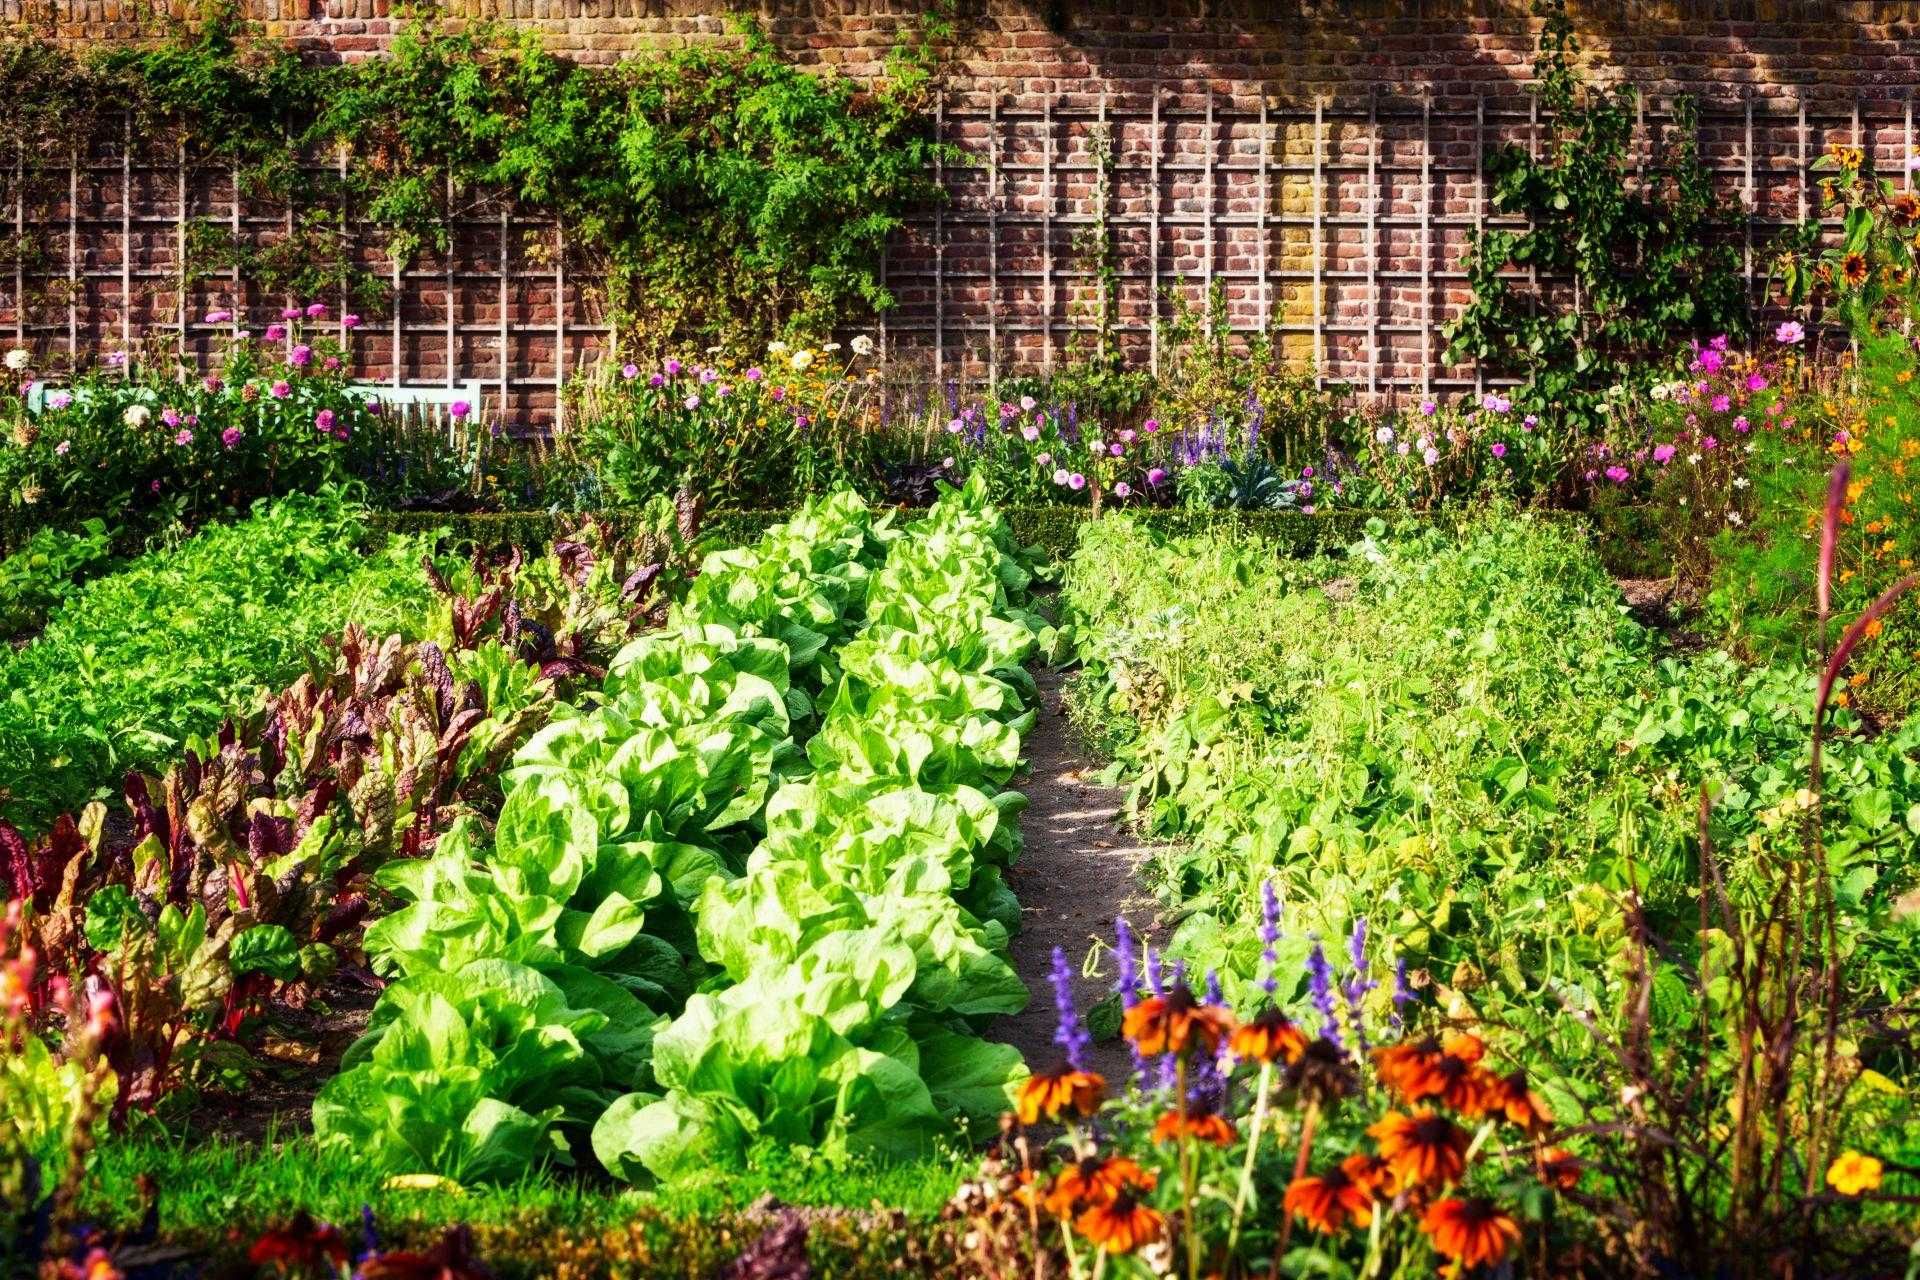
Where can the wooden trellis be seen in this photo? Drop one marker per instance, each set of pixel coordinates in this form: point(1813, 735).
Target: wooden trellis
point(1335, 225)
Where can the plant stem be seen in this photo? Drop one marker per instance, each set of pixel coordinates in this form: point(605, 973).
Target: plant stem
point(1253, 1148)
point(1299, 1171)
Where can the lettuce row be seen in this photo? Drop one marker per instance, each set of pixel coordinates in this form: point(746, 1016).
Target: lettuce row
point(827, 923)
point(866, 939)
point(576, 915)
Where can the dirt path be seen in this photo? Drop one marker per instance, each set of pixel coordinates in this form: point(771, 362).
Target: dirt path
point(1077, 873)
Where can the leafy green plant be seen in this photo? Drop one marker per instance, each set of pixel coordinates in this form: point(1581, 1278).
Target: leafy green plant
point(44, 572)
point(1644, 246)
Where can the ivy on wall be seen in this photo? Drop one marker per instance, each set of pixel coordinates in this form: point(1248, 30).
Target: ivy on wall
point(718, 193)
point(1650, 248)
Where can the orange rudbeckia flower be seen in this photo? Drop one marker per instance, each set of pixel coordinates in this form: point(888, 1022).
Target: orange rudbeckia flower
point(1474, 1233)
point(1207, 1126)
point(1062, 1089)
point(1329, 1202)
point(1122, 1224)
point(1269, 1037)
point(1399, 1065)
point(1095, 1180)
point(1424, 1149)
point(1174, 1023)
point(1509, 1095)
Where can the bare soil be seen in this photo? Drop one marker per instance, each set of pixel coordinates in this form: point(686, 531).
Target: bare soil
point(1079, 870)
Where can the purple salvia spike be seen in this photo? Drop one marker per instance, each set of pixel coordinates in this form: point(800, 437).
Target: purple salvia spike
point(1069, 1034)
point(1214, 995)
point(1127, 983)
point(1320, 985)
point(1155, 983)
point(1269, 936)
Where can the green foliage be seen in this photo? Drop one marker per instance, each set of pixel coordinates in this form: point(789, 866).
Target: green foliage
point(726, 190)
point(1645, 249)
point(134, 662)
point(45, 571)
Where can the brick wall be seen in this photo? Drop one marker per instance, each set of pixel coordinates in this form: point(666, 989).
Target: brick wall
point(1319, 162)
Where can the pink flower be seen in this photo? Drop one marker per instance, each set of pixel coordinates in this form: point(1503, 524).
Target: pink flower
point(1430, 455)
point(1499, 450)
point(629, 371)
point(1741, 425)
point(1493, 403)
point(315, 310)
point(1076, 482)
point(1722, 403)
point(1618, 474)
point(212, 384)
point(349, 321)
point(1663, 453)
point(1123, 490)
point(59, 399)
point(1306, 473)
point(1428, 408)
point(219, 317)
point(324, 420)
point(183, 437)
point(276, 332)
point(63, 448)
point(754, 374)
point(672, 367)
point(116, 358)
point(802, 421)
point(280, 391)
point(289, 313)
point(170, 416)
point(1044, 459)
point(1029, 433)
point(779, 393)
point(1156, 476)
point(1789, 333)
point(301, 356)
point(1116, 449)
point(459, 409)
point(230, 437)
point(1150, 426)
point(1060, 475)
point(332, 363)
point(1710, 360)
point(1709, 444)
point(1756, 381)
point(1529, 422)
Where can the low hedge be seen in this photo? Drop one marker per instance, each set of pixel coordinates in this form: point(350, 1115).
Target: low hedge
point(1052, 530)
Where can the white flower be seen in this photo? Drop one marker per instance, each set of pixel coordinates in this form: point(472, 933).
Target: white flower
point(1733, 517)
point(800, 360)
point(829, 346)
point(136, 416)
point(1384, 435)
point(1739, 482)
point(1694, 458)
point(863, 345)
point(1661, 391)
point(17, 359)
point(777, 348)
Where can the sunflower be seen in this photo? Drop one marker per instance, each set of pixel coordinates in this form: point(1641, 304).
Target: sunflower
point(1174, 1023)
point(1372, 1174)
point(1424, 1148)
point(1122, 1224)
point(1095, 1180)
point(1509, 1095)
point(1271, 1035)
point(1853, 269)
point(1474, 1233)
point(1207, 1126)
point(1062, 1089)
point(1560, 1168)
point(1329, 1202)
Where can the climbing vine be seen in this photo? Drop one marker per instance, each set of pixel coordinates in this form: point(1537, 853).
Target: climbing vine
point(718, 192)
point(1649, 252)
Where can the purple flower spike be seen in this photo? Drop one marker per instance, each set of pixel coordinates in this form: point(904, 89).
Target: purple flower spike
point(1213, 988)
point(1320, 985)
point(1360, 983)
point(1070, 1035)
point(1155, 982)
point(1269, 935)
point(1127, 982)
point(1403, 996)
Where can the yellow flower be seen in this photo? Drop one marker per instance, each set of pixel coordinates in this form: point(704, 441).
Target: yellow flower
point(1853, 1173)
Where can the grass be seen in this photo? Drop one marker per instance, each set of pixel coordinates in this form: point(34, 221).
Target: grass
point(206, 1189)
